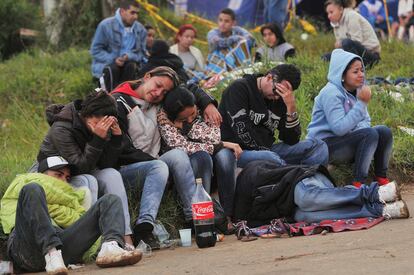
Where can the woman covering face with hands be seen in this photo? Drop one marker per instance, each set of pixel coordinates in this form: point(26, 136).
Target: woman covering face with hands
point(86, 133)
point(104, 127)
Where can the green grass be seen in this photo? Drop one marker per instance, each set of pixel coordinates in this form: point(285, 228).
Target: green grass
point(28, 83)
point(31, 81)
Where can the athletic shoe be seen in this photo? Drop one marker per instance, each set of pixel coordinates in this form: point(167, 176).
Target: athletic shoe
point(389, 192)
point(382, 181)
point(396, 210)
point(55, 264)
point(112, 254)
point(357, 184)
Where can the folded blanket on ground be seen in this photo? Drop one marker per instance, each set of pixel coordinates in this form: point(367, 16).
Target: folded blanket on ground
point(280, 228)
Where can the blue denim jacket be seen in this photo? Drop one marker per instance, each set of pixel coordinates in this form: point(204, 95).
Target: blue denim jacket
point(107, 43)
point(335, 111)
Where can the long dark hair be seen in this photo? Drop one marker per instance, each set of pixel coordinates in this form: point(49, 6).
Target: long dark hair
point(176, 101)
point(274, 28)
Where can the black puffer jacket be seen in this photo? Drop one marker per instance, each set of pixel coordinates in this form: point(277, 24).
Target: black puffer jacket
point(69, 137)
point(265, 191)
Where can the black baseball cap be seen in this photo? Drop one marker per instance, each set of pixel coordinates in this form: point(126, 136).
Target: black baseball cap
point(53, 163)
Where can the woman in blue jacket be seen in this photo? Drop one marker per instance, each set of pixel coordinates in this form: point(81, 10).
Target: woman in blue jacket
point(340, 118)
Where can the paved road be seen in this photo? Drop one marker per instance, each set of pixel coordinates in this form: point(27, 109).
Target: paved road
point(387, 248)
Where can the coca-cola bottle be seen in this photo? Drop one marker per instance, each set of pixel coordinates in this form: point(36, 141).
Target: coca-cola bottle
point(203, 217)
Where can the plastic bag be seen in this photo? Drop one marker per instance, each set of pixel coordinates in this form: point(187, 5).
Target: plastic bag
point(144, 248)
point(220, 221)
point(160, 232)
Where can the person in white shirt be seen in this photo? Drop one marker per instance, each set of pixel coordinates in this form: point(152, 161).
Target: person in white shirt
point(406, 20)
point(191, 56)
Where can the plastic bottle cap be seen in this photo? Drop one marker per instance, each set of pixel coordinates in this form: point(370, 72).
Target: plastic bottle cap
point(199, 181)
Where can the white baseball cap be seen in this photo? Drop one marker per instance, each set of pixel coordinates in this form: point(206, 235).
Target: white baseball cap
point(53, 163)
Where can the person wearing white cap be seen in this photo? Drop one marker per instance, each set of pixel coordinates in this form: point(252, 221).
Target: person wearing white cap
point(87, 134)
point(44, 217)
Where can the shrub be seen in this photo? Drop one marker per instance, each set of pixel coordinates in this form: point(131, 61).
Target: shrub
point(28, 83)
point(16, 14)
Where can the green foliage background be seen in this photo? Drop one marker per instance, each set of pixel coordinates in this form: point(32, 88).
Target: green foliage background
point(81, 19)
point(16, 14)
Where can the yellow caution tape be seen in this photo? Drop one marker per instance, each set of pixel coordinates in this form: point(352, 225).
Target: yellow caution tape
point(308, 27)
point(153, 11)
point(196, 18)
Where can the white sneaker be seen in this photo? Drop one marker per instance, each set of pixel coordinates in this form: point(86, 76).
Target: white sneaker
point(55, 264)
point(113, 255)
point(389, 192)
point(396, 210)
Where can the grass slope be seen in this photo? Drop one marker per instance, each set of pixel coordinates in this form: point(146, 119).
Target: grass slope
point(31, 81)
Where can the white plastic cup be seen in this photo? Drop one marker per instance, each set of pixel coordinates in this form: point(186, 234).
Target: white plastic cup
point(185, 236)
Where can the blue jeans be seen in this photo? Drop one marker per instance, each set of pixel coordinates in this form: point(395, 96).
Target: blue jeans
point(308, 151)
point(152, 177)
point(275, 12)
point(202, 165)
point(180, 169)
point(86, 180)
point(224, 163)
point(110, 182)
point(317, 199)
point(360, 147)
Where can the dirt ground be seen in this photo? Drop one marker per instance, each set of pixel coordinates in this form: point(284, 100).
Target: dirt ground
point(387, 248)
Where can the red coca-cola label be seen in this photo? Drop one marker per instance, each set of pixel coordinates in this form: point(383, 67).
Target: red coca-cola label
point(203, 210)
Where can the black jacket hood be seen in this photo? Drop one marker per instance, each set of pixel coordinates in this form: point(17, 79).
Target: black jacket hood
point(61, 112)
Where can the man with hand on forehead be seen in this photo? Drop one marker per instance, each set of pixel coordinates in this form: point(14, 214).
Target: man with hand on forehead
point(50, 229)
point(255, 106)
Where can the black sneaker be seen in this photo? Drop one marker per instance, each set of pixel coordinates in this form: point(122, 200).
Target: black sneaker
point(143, 232)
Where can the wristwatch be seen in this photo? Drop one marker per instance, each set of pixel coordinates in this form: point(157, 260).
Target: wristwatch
point(293, 115)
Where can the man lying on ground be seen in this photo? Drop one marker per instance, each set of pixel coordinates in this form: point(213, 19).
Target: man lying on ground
point(49, 228)
point(265, 191)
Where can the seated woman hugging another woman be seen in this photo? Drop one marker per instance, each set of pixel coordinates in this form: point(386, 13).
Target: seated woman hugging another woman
point(182, 127)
